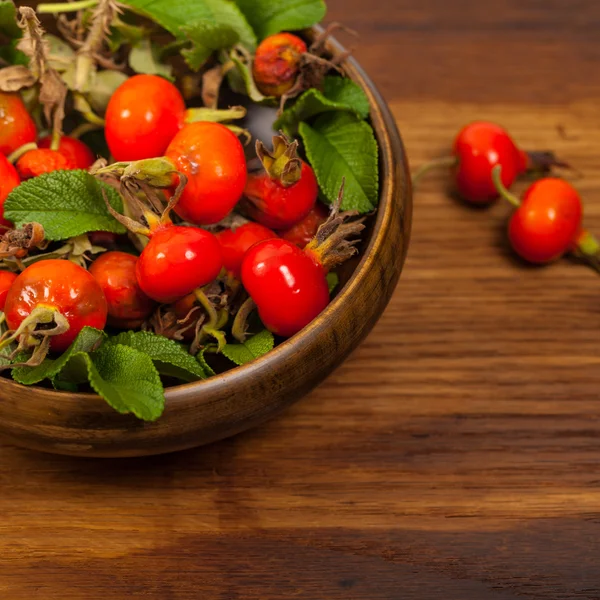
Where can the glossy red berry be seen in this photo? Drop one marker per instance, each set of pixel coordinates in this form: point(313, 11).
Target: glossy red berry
point(288, 287)
point(7, 278)
point(142, 117)
point(176, 261)
point(9, 180)
point(213, 159)
point(277, 206)
point(285, 191)
point(60, 285)
point(304, 231)
point(479, 147)
point(36, 162)
point(78, 153)
point(16, 126)
point(277, 63)
point(547, 223)
point(235, 244)
point(127, 305)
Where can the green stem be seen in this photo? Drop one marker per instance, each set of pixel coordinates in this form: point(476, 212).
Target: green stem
point(587, 250)
point(501, 188)
point(55, 141)
point(446, 161)
point(192, 115)
point(238, 329)
point(64, 7)
point(213, 317)
point(588, 244)
point(16, 155)
point(83, 129)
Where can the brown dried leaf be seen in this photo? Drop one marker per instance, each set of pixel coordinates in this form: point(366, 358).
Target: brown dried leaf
point(32, 43)
point(53, 94)
point(15, 78)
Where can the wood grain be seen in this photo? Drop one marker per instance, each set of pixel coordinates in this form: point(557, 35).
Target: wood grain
point(456, 454)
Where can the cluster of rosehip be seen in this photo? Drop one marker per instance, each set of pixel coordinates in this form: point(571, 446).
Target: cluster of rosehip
point(547, 222)
point(201, 168)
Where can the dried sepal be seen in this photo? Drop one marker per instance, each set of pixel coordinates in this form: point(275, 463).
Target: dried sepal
point(336, 239)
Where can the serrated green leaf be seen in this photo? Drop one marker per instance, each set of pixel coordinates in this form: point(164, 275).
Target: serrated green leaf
point(255, 347)
point(339, 94)
point(66, 203)
point(128, 380)
point(8, 19)
point(144, 58)
point(272, 16)
point(332, 281)
point(340, 145)
point(169, 357)
point(209, 24)
point(87, 339)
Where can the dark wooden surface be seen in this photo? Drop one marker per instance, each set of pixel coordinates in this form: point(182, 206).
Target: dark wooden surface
point(456, 455)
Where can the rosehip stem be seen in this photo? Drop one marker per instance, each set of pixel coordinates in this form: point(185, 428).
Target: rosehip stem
point(238, 329)
point(64, 7)
point(16, 155)
point(587, 250)
point(193, 115)
point(501, 188)
point(446, 161)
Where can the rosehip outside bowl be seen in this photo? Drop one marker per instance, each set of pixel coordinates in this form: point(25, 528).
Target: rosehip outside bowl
point(198, 413)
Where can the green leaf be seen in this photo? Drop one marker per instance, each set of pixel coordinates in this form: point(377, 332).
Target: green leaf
point(209, 24)
point(332, 281)
point(127, 380)
point(105, 84)
point(339, 145)
point(61, 55)
point(87, 339)
point(169, 357)
point(242, 81)
point(8, 19)
point(66, 203)
point(255, 347)
point(272, 16)
point(10, 54)
point(145, 58)
point(339, 94)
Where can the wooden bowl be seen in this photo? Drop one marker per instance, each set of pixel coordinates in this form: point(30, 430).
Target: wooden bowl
point(227, 404)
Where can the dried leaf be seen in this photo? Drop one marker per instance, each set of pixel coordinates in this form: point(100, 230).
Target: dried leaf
point(15, 78)
point(53, 94)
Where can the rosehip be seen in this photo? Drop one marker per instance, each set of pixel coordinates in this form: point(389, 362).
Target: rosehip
point(235, 244)
point(78, 153)
point(277, 63)
point(285, 192)
point(7, 278)
point(16, 126)
point(127, 305)
point(61, 287)
point(142, 117)
point(176, 261)
point(213, 160)
point(304, 231)
point(9, 180)
point(37, 162)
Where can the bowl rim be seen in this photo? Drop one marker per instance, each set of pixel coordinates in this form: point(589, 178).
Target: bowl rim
point(387, 136)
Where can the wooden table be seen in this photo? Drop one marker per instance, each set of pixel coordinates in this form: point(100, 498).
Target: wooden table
point(456, 455)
